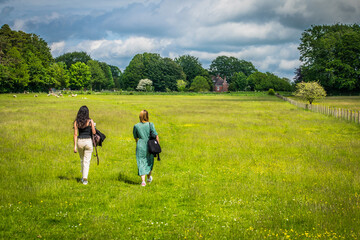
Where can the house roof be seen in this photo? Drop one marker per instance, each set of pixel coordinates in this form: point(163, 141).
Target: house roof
point(219, 81)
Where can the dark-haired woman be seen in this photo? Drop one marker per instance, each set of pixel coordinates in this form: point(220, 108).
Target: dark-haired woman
point(145, 160)
point(84, 127)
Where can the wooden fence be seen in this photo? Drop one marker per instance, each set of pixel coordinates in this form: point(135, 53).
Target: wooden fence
point(346, 114)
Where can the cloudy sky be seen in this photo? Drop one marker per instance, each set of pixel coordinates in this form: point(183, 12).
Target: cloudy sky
point(264, 32)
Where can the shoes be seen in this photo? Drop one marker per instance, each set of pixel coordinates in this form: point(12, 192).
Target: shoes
point(143, 184)
point(84, 181)
point(150, 179)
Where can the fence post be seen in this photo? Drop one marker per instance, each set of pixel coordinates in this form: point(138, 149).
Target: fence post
point(354, 117)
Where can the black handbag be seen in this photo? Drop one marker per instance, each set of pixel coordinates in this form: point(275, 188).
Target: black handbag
point(154, 146)
point(97, 140)
point(99, 137)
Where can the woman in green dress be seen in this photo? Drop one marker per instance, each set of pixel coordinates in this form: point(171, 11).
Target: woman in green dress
point(145, 160)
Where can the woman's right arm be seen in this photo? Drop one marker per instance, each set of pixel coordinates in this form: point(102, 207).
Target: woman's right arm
point(157, 139)
point(136, 137)
point(75, 137)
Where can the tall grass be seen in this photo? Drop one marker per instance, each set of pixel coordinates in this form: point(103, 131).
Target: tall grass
point(233, 167)
point(344, 102)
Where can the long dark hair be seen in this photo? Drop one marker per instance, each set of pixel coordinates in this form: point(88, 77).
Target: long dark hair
point(82, 117)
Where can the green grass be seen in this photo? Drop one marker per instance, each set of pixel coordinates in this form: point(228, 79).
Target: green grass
point(345, 102)
point(233, 167)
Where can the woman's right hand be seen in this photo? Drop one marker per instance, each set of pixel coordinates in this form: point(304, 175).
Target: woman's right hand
point(75, 150)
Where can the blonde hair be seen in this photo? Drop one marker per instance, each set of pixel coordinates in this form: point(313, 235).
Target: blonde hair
point(144, 116)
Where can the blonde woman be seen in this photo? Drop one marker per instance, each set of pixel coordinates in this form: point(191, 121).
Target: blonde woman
point(145, 160)
point(84, 127)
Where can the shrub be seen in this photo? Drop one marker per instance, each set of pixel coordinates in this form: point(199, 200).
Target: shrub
point(271, 92)
point(199, 84)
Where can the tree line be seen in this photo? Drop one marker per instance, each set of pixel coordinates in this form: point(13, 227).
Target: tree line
point(329, 55)
point(26, 64)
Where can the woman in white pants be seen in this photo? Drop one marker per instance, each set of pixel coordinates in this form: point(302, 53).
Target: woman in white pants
point(84, 127)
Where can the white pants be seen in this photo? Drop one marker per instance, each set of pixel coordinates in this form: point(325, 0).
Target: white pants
point(85, 149)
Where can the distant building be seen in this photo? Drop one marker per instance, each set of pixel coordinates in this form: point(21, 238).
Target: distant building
point(220, 85)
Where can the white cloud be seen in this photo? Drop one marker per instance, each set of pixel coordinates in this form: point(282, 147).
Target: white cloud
point(57, 48)
point(218, 11)
point(280, 59)
point(107, 48)
point(21, 24)
point(289, 64)
point(238, 34)
point(292, 7)
point(112, 50)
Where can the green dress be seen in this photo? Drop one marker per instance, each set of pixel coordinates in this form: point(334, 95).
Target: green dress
point(145, 160)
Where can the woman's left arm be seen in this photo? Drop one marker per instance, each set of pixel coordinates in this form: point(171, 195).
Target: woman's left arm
point(93, 130)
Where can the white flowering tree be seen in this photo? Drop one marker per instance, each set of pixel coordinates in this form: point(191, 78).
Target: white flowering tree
point(145, 85)
point(309, 91)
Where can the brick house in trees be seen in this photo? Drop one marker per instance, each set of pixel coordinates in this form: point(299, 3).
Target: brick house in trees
point(220, 85)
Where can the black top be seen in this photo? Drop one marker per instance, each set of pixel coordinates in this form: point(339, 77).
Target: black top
point(85, 132)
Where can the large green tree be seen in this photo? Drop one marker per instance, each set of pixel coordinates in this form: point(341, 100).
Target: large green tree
point(239, 83)
point(24, 59)
point(264, 81)
point(109, 81)
point(116, 74)
point(80, 76)
point(164, 72)
point(200, 84)
point(59, 75)
point(171, 72)
point(191, 67)
point(39, 78)
point(331, 55)
point(14, 76)
point(227, 67)
point(98, 80)
point(133, 73)
point(73, 57)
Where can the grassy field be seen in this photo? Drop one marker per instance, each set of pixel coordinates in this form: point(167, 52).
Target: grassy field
point(233, 167)
point(345, 102)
